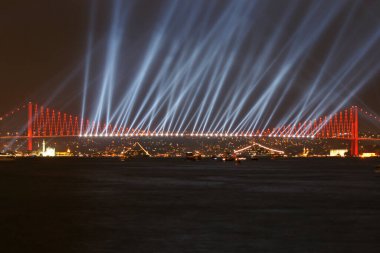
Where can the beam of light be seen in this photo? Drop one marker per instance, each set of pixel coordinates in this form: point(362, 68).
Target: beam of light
point(223, 69)
point(87, 63)
point(132, 94)
point(112, 55)
point(312, 93)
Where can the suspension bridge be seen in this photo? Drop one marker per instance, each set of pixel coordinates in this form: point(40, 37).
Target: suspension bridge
point(42, 122)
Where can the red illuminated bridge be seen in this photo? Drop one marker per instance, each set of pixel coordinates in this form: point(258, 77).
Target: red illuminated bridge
point(44, 122)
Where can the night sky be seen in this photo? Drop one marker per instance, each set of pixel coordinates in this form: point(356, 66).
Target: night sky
point(43, 46)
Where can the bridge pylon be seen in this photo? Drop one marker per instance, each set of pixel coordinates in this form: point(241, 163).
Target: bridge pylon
point(30, 126)
point(355, 132)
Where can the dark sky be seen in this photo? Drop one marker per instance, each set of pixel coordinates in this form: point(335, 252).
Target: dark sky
point(43, 42)
point(39, 41)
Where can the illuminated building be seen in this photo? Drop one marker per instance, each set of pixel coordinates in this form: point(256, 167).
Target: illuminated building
point(46, 151)
point(338, 152)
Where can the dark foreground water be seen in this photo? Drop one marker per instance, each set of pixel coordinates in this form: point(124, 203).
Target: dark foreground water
point(100, 205)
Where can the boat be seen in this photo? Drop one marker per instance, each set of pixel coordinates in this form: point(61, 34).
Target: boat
point(124, 158)
point(229, 157)
point(193, 156)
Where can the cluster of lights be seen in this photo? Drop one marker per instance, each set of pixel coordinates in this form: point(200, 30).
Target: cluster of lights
point(168, 134)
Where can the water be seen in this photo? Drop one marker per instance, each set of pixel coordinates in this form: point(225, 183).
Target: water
point(174, 205)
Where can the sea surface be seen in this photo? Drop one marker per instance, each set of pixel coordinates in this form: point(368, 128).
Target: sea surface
point(175, 205)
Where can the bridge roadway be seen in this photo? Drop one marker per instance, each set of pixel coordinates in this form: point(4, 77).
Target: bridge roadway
point(182, 136)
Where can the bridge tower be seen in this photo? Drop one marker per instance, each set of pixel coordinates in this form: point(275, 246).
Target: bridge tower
point(355, 132)
point(30, 126)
